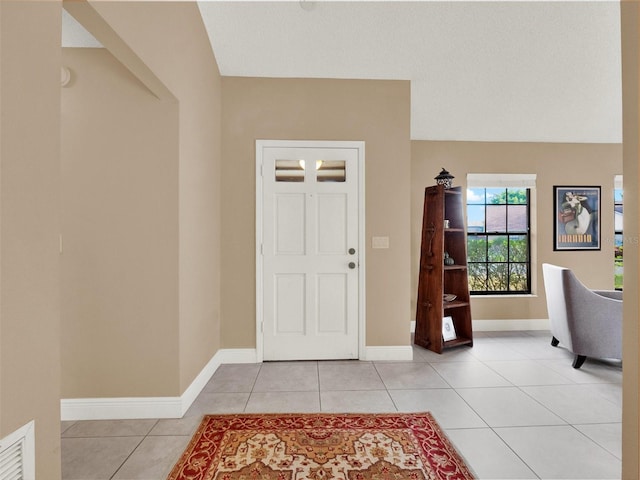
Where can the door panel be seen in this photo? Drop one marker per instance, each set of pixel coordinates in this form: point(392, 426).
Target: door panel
point(310, 281)
point(289, 311)
point(332, 303)
point(290, 224)
point(331, 229)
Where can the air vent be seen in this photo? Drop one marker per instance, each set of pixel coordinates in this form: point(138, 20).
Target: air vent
point(17, 455)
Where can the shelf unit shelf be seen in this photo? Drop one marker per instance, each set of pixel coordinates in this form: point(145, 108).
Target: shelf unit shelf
point(458, 342)
point(455, 267)
point(454, 304)
point(436, 278)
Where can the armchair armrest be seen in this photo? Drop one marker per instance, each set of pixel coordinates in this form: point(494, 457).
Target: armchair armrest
point(613, 294)
point(595, 322)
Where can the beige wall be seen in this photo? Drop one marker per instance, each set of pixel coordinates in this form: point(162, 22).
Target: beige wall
point(376, 112)
point(554, 164)
point(166, 46)
point(630, 24)
point(29, 225)
point(119, 279)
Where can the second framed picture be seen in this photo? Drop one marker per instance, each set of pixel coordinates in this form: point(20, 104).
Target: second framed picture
point(577, 218)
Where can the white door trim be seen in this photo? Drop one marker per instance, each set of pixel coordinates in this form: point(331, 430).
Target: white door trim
point(260, 145)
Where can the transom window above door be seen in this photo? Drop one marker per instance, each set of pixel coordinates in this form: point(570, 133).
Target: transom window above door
point(325, 170)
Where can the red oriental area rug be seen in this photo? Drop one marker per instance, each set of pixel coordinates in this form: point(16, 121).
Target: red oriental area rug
point(320, 447)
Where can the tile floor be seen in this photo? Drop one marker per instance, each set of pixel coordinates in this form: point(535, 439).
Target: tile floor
point(513, 406)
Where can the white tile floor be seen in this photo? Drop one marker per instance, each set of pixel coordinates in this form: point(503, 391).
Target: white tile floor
point(512, 405)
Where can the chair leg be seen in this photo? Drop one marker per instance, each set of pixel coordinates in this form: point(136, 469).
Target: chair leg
point(554, 342)
point(578, 361)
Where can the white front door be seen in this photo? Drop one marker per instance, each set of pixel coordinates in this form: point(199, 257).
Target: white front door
point(310, 242)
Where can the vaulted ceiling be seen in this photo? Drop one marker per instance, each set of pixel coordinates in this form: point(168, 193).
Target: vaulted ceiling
point(485, 71)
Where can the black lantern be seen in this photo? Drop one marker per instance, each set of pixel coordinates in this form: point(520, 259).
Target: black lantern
point(444, 178)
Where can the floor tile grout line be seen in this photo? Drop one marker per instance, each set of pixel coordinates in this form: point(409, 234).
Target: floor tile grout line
point(126, 459)
point(493, 429)
point(544, 406)
point(72, 423)
point(572, 426)
point(386, 388)
point(536, 361)
point(525, 393)
point(319, 387)
point(440, 375)
point(592, 440)
point(253, 386)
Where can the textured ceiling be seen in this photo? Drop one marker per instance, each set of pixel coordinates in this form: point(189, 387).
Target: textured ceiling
point(485, 71)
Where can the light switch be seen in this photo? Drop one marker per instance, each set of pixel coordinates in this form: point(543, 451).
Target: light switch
point(379, 242)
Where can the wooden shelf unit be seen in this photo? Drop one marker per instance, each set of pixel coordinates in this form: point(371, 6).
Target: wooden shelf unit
point(436, 278)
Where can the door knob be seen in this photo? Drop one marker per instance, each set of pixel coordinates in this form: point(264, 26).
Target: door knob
point(352, 251)
point(352, 265)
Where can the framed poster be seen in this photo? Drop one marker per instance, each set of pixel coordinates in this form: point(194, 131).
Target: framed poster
point(577, 218)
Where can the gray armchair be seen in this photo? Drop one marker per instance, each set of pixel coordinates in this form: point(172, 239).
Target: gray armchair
point(587, 322)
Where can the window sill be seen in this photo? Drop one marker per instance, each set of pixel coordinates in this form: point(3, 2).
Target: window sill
point(516, 295)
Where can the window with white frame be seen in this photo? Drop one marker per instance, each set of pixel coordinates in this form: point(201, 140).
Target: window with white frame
point(499, 233)
point(618, 235)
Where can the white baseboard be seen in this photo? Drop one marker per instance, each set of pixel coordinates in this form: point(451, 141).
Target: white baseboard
point(191, 393)
point(152, 407)
point(384, 353)
point(120, 408)
point(504, 325)
point(510, 325)
point(239, 355)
